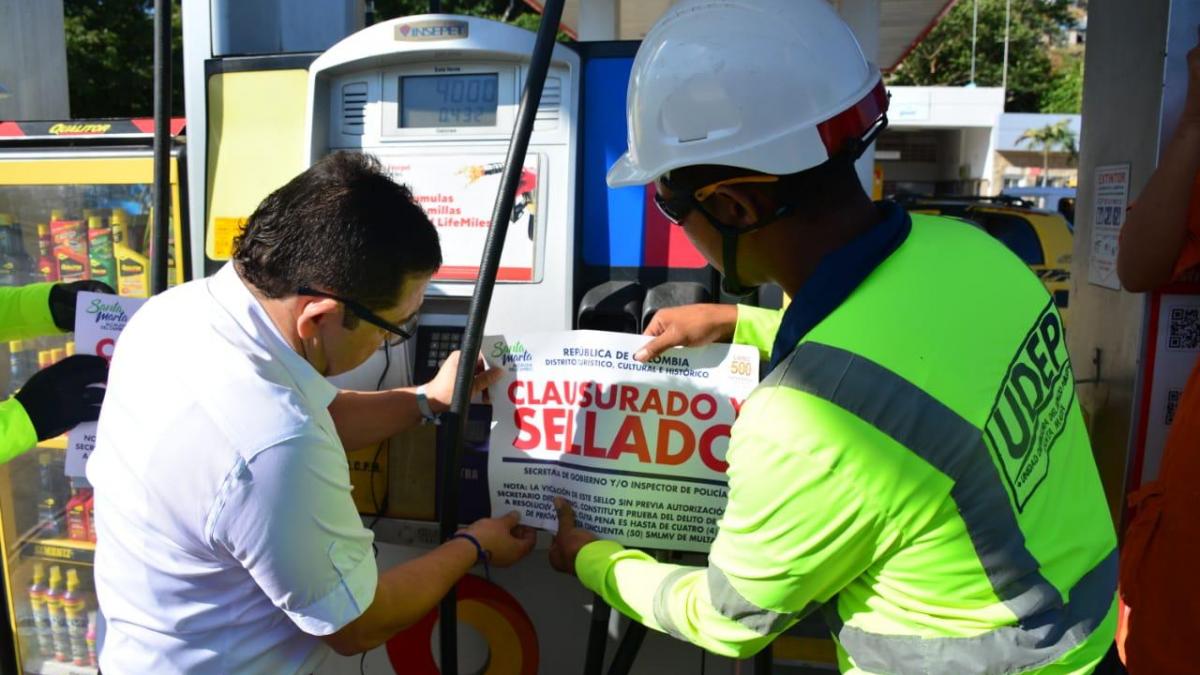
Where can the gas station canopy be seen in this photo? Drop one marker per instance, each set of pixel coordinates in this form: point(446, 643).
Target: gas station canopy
point(902, 23)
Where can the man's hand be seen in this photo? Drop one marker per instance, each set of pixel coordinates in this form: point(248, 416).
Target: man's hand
point(569, 540)
point(503, 539)
point(62, 300)
point(688, 326)
point(67, 393)
point(440, 389)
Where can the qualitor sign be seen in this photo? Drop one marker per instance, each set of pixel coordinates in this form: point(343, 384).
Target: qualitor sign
point(458, 193)
point(638, 448)
point(99, 320)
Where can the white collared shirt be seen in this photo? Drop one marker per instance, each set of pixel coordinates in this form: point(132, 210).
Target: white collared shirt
point(227, 536)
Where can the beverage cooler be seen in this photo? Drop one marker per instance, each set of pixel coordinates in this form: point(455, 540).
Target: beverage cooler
point(75, 203)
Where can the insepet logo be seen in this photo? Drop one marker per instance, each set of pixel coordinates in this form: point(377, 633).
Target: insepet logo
point(432, 30)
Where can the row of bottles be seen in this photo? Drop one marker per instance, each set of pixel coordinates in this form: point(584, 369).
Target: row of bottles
point(64, 511)
point(64, 616)
point(26, 357)
point(94, 247)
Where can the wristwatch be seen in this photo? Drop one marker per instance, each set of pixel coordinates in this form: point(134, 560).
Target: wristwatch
point(427, 414)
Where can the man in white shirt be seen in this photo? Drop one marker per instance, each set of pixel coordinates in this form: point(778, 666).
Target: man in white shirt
point(228, 541)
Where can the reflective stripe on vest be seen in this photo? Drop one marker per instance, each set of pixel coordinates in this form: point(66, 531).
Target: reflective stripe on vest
point(1047, 628)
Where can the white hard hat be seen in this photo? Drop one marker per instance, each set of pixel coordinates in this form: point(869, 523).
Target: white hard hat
point(774, 86)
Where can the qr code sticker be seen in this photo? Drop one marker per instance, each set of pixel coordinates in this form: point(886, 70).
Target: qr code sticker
point(1172, 403)
point(1184, 330)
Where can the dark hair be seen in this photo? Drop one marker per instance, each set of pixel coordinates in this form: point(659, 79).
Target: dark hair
point(342, 226)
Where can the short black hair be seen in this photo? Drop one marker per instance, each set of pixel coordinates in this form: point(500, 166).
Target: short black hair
point(343, 226)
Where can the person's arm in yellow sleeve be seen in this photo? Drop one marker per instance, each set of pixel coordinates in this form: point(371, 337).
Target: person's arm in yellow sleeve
point(17, 434)
point(794, 533)
point(25, 312)
point(699, 325)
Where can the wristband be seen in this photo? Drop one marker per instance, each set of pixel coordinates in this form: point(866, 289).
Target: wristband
point(482, 555)
point(427, 414)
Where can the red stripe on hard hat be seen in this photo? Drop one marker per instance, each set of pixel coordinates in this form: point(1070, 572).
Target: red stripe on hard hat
point(853, 123)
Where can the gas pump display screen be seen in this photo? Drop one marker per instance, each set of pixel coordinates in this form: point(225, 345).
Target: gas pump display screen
point(448, 100)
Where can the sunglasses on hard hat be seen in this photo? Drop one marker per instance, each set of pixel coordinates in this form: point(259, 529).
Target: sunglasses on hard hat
point(682, 200)
point(399, 334)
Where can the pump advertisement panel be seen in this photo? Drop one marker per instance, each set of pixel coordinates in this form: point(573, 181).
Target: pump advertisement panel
point(459, 192)
point(638, 448)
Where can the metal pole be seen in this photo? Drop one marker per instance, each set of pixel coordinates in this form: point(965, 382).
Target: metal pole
point(453, 427)
point(1004, 78)
point(974, 39)
point(162, 147)
point(593, 663)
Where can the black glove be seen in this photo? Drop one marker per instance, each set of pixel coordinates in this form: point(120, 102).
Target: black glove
point(62, 300)
point(63, 395)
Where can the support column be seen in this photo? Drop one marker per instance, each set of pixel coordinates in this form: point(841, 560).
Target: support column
point(599, 20)
point(1122, 111)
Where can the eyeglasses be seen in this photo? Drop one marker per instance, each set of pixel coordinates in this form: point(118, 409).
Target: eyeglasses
point(676, 207)
point(358, 310)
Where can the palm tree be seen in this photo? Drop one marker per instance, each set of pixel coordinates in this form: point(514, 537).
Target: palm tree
point(1049, 137)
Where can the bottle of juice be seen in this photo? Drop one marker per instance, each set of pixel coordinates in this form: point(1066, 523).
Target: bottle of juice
point(58, 618)
point(46, 263)
point(101, 262)
point(37, 608)
point(57, 354)
point(75, 611)
point(133, 268)
point(43, 359)
point(69, 348)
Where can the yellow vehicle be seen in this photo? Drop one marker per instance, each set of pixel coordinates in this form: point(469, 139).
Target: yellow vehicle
point(1043, 239)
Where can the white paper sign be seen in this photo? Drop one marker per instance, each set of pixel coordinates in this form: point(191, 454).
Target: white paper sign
point(458, 192)
point(1108, 211)
point(99, 320)
point(639, 449)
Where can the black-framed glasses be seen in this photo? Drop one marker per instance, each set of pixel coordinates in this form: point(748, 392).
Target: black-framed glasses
point(358, 310)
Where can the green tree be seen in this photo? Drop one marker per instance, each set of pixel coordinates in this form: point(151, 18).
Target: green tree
point(944, 56)
point(1065, 94)
point(1047, 139)
point(110, 57)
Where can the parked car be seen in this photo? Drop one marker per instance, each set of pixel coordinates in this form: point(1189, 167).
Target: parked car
point(1043, 239)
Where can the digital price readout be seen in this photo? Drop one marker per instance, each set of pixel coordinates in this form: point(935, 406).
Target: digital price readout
point(448, 100)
